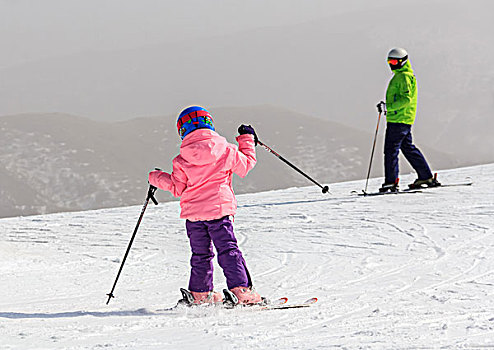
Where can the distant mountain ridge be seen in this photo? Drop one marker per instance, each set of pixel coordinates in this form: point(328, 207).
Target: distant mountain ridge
point(59, 162)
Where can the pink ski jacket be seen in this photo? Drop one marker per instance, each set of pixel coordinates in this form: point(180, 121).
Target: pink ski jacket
point(202, 174)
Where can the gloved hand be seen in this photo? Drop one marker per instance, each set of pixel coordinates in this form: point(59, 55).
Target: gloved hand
point(381, 107)
point(152, 172)
point(247, 129)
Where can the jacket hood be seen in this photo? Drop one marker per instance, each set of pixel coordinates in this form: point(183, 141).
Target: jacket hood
point(203, 146)
point(407, 67)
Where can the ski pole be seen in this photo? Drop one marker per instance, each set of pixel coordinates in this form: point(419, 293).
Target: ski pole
point(325, 189)
point(150, 195)
point(372, 153)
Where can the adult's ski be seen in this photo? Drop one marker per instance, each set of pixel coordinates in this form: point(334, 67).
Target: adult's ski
point(366, 194)
point(470, 183)
point(413, 189)
point(457, 184)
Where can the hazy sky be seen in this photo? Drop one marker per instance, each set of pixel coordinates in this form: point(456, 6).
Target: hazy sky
point(33, 29)
point(120, 59)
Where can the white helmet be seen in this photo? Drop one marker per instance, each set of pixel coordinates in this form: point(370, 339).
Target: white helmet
point(397, 58)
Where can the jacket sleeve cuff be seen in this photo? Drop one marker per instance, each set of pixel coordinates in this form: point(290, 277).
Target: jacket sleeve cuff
point(245, 137)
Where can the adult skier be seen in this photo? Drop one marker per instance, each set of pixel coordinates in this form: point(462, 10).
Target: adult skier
point(202, 177)
point(400, 109)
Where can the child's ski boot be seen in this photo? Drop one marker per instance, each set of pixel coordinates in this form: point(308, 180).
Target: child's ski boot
point(242, 296)
point(432, 182)
point(198, 298)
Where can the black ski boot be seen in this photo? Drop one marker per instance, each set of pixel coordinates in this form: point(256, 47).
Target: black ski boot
point(432, 182)
point(389, 187)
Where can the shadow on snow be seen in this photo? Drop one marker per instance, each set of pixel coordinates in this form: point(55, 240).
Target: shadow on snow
point(21, 315)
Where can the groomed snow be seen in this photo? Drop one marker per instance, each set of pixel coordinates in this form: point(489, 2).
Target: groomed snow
point(411, 271)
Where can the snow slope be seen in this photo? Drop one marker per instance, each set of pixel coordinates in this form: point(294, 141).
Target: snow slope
point(391, 272)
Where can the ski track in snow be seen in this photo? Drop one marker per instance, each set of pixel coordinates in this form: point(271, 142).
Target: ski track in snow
point(391, 272)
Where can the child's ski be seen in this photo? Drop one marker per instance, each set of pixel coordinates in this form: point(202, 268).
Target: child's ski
point(230, 301)
point(307, 303)
point(276, 304)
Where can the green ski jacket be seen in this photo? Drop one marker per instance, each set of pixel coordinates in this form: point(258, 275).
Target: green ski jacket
point(401, 96)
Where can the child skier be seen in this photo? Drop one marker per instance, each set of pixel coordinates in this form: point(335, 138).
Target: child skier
point(202, 177)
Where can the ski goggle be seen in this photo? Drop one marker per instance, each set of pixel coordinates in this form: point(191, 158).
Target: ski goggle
point(393, 61)
point(193, 115)
point(190, 122)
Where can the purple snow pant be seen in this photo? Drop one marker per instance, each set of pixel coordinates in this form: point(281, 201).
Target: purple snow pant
point(219, 232)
